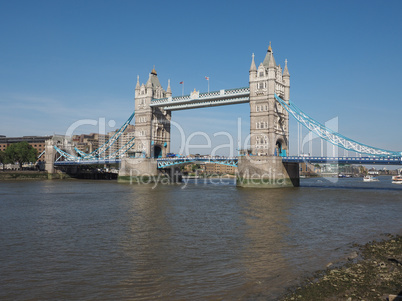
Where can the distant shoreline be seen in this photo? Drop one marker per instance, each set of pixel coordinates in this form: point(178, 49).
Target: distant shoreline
point(23, 175)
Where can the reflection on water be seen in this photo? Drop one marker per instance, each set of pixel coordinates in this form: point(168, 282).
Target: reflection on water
point(100, 240)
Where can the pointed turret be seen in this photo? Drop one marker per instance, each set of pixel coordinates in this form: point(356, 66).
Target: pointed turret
point(168, 90)
point(148, 84)
point(153, 80)
point(253, 70)
point(286, 71)
point(271, 63)
point(137, 87)
point(286, 81)
point(253, 67)
point(154, 71)
point(269, 57)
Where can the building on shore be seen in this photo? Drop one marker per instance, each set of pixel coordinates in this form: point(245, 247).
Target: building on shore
point(220, 169)
point(209, 168)
point(308, 169)
point(88, 143)
point(37, 142)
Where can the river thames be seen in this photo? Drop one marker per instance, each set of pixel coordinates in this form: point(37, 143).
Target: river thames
point(99, 240)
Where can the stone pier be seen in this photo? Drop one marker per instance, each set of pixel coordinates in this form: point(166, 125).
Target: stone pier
point(145, 170)
point(267, 172)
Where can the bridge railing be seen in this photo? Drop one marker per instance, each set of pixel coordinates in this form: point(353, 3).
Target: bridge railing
point(237, 92)
point(391, 160)
point(167, 162)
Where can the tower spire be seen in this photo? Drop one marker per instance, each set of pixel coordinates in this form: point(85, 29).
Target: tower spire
point(154, 71)
point(285, 70)
point(253, 66)
point(267, 61)
point(271, 59)
point(168, 90)
point(138, 82)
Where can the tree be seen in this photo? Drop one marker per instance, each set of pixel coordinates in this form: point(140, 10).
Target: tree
point(21, 152)
point(195, 167)
point(3, 158)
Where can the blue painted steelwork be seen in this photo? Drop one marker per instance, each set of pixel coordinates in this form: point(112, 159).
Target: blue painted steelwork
point(331, 136)
point(168, 162)
point(122, 150)
point(115, 155)
point(95, 154)
point(87, 162)
point(67, 156)
point(345, 160)
point(41, 154)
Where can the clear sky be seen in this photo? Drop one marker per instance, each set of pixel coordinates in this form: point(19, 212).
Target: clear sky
point(63, 61)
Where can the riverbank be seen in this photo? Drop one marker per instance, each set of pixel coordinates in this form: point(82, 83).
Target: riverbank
point(23, 175)
point(43, 175)
point(374, 272)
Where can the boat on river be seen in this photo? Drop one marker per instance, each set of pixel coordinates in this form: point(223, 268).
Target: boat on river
point(397, 179)
point(369, 178)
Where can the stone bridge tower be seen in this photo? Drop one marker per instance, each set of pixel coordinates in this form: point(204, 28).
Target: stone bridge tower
point(269, 121)
point(152, 125)
point(269, 129)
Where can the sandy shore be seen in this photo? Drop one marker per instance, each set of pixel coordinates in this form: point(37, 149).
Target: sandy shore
point(372, 273)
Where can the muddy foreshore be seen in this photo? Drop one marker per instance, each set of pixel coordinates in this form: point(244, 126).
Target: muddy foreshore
point(374, 272)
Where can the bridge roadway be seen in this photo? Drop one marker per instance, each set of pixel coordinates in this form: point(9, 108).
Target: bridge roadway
point(232, 161)
point(202, 100)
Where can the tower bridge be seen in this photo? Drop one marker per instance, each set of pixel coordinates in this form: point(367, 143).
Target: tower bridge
point(269, 121)
point(268, 95)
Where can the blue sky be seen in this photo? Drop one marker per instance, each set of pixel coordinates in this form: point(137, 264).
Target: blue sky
point(62, 61)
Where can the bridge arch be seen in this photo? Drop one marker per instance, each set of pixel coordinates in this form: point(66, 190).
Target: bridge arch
point(157, 151)
point(281, 148)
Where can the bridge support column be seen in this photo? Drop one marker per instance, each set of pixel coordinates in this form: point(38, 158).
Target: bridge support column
point(138, 170)
point(50, 154)
point(267, 172)
point(145, 171)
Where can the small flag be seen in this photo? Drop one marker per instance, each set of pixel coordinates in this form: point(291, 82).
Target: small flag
point(180, 83)
point(206, 77)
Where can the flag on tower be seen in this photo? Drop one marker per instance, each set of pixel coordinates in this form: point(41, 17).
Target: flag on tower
point(182, 87)
point(206, 77)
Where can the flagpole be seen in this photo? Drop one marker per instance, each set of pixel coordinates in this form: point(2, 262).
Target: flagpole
point(182, 90)
point(207, 78)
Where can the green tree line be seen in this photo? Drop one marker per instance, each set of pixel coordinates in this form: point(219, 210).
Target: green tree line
point(21, 153)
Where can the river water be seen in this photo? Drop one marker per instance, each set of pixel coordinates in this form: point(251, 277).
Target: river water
point(99, 240)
